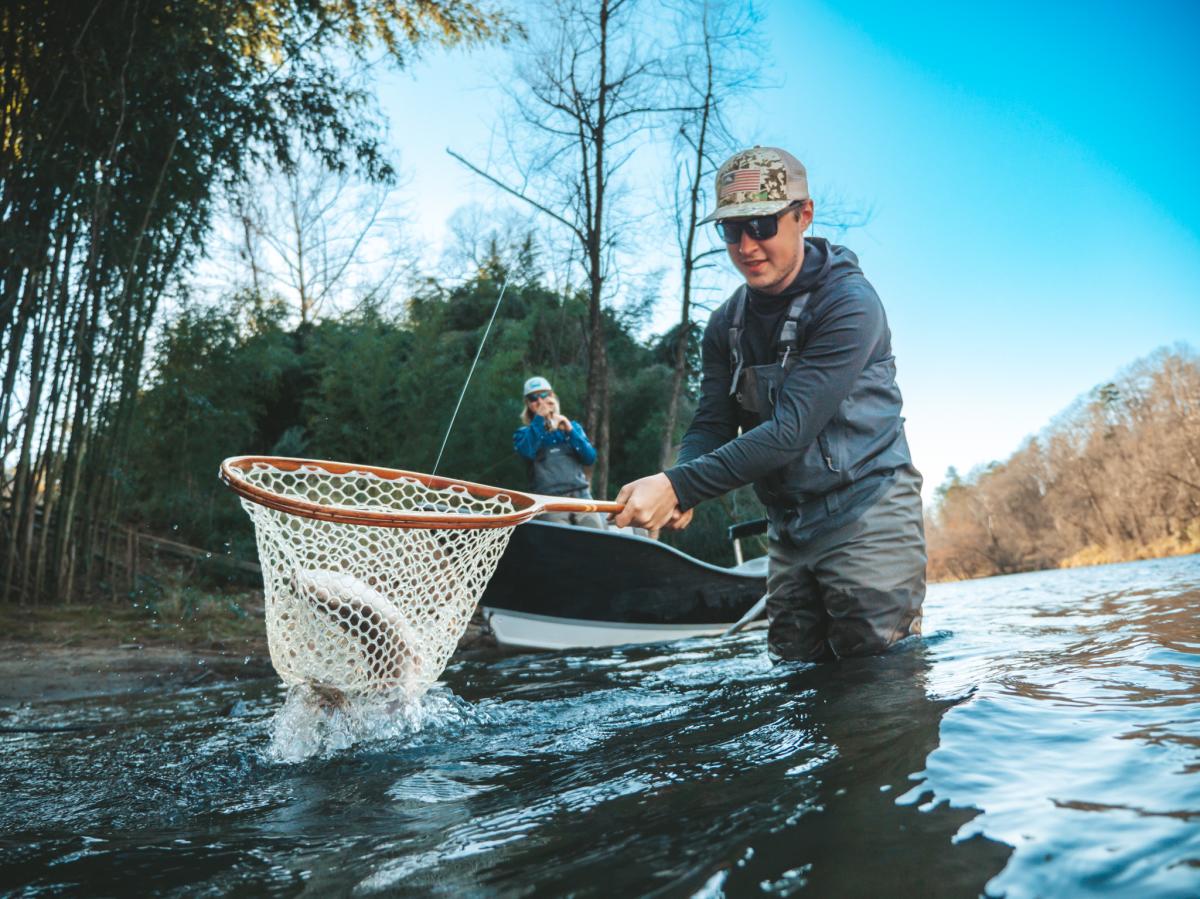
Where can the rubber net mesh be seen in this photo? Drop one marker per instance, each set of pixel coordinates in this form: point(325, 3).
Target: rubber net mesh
point(364, 608)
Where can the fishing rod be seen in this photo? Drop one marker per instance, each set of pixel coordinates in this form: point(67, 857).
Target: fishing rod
point(463, 392)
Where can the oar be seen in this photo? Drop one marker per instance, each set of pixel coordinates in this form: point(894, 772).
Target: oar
point(736, 533)
point(755, 610)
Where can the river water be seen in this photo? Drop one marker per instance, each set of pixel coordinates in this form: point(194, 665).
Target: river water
point(1043, 739)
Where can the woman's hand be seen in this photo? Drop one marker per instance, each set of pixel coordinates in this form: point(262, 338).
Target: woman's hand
point(547, 408)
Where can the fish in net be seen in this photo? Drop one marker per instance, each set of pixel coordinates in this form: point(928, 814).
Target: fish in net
point(370, 575)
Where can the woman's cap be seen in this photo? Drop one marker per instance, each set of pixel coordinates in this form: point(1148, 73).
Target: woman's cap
point(534, 384)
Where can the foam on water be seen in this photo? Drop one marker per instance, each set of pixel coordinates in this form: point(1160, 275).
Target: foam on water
point(318, 723)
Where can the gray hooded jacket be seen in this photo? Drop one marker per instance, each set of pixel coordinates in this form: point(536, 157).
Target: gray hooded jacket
point(825, 437)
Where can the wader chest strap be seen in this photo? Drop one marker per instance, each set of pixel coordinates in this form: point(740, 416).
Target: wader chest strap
point(789, 334)
point(735, 337)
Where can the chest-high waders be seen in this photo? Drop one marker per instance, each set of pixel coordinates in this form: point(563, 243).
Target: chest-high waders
point(857, 587)
point(811, 485)
point(557, 471)
point(756, 387)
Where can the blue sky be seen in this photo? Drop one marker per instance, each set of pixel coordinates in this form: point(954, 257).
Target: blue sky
point(1031, 171)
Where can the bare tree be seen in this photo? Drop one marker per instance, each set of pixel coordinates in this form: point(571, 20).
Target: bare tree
point(1114, 477)
point(483, 237)
point(590, 86)
point(716, 51)
point(322, 241)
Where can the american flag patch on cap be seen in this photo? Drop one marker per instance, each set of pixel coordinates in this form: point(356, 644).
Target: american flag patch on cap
point(742, 179)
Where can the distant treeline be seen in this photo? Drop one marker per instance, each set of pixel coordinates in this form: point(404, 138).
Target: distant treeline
point(1116, 477)
point(380, 388)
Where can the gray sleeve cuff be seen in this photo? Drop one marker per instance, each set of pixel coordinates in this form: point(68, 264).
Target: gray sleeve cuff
point(683, 495)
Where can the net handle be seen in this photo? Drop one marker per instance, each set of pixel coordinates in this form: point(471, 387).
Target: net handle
point(570, 504)
point(533, 504)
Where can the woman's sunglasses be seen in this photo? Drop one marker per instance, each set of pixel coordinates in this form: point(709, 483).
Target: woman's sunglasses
point(540, 395)
point(762, 227)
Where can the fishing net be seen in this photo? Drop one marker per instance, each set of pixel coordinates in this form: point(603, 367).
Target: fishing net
point(371, 575)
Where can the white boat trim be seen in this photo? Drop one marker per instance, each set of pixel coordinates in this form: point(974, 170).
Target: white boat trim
point(527, 631)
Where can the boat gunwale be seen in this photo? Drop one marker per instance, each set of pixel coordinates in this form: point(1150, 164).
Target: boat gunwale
point(716, 569)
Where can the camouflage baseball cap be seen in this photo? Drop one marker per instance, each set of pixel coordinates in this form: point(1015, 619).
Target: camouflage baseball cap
point(758, 181)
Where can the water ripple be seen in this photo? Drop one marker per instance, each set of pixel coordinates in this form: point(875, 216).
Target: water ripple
point(1042, 740)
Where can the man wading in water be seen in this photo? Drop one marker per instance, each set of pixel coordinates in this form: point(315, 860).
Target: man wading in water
point(799, 398)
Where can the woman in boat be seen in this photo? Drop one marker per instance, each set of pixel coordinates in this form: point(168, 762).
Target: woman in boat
point(557, 451)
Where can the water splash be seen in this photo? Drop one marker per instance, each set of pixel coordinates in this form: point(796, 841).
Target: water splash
point(316, 722)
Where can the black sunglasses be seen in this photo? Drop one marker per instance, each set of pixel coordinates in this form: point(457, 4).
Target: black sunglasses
point(540, 395)
point(762, 227)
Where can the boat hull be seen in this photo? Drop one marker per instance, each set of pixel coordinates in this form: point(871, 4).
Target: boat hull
point(523, 631)
point(559, 586)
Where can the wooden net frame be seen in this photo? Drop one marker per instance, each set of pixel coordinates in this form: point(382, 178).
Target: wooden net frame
point(370, 574)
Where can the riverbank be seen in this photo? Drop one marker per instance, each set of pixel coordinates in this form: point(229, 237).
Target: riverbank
point(51, 653)
point(1181, 545)
point(1088, 557)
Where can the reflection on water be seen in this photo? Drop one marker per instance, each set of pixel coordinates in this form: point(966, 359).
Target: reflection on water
point(1043, 740)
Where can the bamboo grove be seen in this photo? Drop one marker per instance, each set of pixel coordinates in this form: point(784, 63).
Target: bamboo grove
point(121, 121)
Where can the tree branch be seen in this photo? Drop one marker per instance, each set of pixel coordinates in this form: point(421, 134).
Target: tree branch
point(516, 193)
